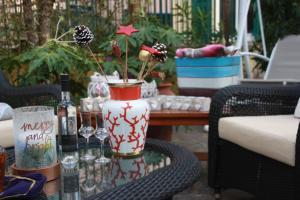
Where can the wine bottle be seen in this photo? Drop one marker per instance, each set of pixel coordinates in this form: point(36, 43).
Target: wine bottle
point(70, 184)
point(67, 126)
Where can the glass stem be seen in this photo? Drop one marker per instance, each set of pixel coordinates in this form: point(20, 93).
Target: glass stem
point(101, 149)
point(86, 145)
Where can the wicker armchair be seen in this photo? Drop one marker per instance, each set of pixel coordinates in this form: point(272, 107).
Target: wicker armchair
point(48, 95)
point(232, 166)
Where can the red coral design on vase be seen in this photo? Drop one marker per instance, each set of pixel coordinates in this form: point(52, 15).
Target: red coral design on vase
point(133, 136)
point(119, 174)
point(144, 126)
point(137, 173)
point(117, 137)
point(126, 120)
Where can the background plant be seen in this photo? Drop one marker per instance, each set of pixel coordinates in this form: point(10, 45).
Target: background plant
point(150, 30)
point(281, 18)
point(44, 64)
point(200, 33)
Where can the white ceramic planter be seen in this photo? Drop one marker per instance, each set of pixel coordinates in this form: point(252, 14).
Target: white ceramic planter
point(126, 118)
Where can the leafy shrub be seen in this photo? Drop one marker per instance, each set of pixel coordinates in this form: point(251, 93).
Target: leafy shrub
point(150, 30)
point(43, 64)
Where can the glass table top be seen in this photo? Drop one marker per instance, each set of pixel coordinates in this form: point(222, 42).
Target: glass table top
point(90, 178)
point(161, 171)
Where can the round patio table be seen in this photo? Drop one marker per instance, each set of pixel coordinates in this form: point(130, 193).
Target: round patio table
point(163, 170)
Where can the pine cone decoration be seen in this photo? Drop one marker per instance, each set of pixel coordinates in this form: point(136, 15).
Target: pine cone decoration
point(82, 35)
point(162, 48)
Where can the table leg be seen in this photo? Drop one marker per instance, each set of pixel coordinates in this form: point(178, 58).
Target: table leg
point(160, 132)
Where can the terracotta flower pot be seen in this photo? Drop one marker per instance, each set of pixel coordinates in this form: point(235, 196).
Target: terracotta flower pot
point(165, 89)
point(126, 118)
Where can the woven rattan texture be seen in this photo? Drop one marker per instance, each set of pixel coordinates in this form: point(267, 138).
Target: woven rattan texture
point(231, 166)
point(163, 183)
point(48, 95)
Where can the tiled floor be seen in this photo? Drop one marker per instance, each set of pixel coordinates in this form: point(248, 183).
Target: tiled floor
point(195, 139)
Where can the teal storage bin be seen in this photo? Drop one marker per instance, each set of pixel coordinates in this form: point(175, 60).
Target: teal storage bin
point(208, 72)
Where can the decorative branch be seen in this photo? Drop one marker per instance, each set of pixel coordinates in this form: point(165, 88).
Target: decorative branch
point(126, 60)
point(143, 67)
point(99, 65)
point(117, 52)
point(57, 26)
point(151, 67)
point(151, 56)
point(64, 34)
point(83, 36)
point(127, 31)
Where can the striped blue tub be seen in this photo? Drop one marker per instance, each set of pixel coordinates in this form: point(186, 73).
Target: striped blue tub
point(210, 72)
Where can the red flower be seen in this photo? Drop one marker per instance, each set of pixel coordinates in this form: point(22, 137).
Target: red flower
point(127, 30)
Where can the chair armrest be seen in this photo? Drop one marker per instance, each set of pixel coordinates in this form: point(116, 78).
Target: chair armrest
point(253, 100)
point(31, 95)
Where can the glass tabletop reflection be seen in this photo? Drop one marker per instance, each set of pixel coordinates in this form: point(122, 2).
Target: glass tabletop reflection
point(89, 178)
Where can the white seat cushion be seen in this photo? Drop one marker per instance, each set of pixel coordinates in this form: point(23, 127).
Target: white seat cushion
point(273, 136)
point(7, 135)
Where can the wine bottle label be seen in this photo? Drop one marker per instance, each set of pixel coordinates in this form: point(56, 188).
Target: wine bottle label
point(71, 183)
point(63, 123)
point(72, 125)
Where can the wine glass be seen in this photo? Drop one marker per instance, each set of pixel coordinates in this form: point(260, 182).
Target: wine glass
point(101, 133)
point(88, 185)
point(104, 183)
point(86, 130)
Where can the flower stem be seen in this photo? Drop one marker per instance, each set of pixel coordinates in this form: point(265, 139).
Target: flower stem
point(69, 31)
point(57, 26)
point(126, 61)
point(120, 61)
point(150, 69)
point(67, 41)
point(99, 65)
point(143, 68)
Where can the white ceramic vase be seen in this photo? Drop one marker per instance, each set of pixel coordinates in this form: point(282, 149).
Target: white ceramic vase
point(126, 118)
point(126, 170)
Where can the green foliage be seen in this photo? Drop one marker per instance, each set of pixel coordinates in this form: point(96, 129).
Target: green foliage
point(281, 18)
point(43, 64)
point(150, 31)
point(100, 26)
point(36, 158)
point(183, 11)
point(201, 33)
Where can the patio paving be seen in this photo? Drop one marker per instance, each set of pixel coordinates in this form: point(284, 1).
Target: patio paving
point(195, 139)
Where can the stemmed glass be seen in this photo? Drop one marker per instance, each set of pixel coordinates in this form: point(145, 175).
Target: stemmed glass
point(86, 130)
point(104, 183)
point(88, 186)
point(101, 133)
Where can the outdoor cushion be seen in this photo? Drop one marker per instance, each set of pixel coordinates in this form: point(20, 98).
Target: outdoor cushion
point(273, 136)
point(6, 132)
point(6, 111)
